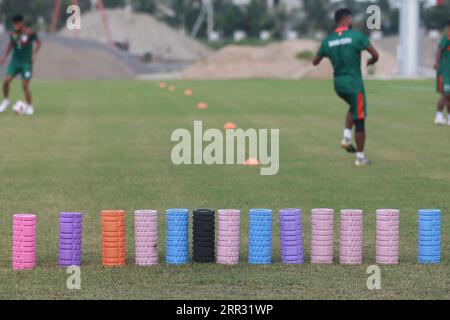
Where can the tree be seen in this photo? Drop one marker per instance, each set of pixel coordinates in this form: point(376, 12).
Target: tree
point(32, 10)
point(147, 6)
point(256, 18)
point(316, 16)
point(228, 18)
point(114, 3)
point(437, 17)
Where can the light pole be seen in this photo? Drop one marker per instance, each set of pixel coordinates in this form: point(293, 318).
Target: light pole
point(209, 17)
point(207, 11)
point(409, 38)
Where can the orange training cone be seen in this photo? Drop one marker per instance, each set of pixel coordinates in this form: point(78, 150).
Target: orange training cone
point(188, 92)
point(229, 125)
point(162, 85)
point(202, 106)
point(252, 162)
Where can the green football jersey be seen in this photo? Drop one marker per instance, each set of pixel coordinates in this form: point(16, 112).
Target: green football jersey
point(444, 63)
point(343, 47)
point(23, 46)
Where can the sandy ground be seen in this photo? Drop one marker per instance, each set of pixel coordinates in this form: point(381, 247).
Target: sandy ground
point(57, 61)
point(276, 60)
point(144, 33)
point(279, 61)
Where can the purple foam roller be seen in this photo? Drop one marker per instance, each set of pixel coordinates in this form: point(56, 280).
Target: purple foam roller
point(70, 238)
point(291, 236)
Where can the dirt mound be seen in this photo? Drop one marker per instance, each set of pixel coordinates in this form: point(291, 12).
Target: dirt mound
point(60, 62)
point(143, 33)
point(428, 47)
point(276, 61)
point(67, 59)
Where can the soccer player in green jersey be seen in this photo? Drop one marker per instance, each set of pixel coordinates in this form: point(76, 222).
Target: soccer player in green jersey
point(24, 44)
point(344, 47)
point(442, 67)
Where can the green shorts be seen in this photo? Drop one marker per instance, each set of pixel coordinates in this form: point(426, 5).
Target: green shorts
point(443, 83)
point(357, 103)
point(24, 69)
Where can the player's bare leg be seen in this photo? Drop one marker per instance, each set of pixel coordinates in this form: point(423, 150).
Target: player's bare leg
point(28, 96)
point(440, 120)
point(448, 108)
point(360, 137)
point(347, 140)
point(6, 84)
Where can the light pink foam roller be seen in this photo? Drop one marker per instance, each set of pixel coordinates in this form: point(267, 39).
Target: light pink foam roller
point(387, 236)
point(146, 237)
point(24, 241)
point(351, 237)
point(322, 235)
point(228, 236)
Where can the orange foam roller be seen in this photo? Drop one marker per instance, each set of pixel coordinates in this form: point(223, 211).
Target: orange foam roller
point(113, 238)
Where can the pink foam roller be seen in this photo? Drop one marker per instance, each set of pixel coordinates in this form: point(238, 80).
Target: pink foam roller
point(24, 241)
point(387, 236)
point(229, 240)
point(351, 237)
point(228, 236)
point(322, 235)
point(230, 260)
point(146, 237)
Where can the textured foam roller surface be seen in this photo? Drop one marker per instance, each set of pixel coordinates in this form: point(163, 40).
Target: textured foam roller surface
point(322, 235)
point(70, 238)
point(260, 236)
point(113, 238)
point(387, 236)
point(146, 237)
point(24, 241)
point(351, 237)
point(203, 235)
point(429, 236)
point(228, 236)
point(291, 236)
point(177, 236)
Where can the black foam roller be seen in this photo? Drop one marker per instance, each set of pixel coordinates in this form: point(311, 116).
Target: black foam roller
point(203, 229)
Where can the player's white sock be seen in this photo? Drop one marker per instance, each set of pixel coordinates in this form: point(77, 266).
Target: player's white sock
point(30, 110)
point(440, 120)
point(360, 155)
point(449, 119)
point(347, 134)
point(4, 105)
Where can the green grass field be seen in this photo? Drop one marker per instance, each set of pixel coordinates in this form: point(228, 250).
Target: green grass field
point(101, 145)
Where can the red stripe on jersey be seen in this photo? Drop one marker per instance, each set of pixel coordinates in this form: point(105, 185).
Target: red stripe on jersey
point(441, 84)
point(361, 106)
point(340, 30)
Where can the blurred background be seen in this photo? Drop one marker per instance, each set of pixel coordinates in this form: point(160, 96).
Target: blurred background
point(220, 39)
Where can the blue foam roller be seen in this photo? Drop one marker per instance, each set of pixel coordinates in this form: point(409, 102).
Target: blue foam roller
point(177, 236)
point(429, 236)
point(260, 236)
